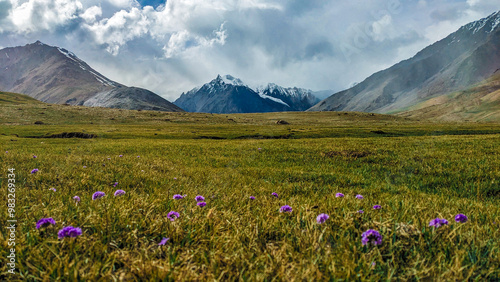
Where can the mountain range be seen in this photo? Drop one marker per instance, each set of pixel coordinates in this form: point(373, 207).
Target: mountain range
point(464, 58)
point(452, 79)
point(56, 75)
point(227, 94)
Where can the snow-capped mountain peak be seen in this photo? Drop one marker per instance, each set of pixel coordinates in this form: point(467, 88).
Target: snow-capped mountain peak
point(488, 24)
point(228, 80)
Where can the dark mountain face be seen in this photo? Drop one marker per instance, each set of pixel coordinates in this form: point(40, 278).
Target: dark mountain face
point(465, 57)
point(55, 75)
point(227, 94)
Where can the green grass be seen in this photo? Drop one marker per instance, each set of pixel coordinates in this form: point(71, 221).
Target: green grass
point(416, 171)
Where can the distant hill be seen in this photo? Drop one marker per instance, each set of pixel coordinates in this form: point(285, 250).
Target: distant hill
point(15, 98)
point(56, 75)
point(227, 94)
point(478, 103)
point(457, 62)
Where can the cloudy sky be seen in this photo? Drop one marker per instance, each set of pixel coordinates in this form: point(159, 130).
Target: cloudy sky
point(172, 46)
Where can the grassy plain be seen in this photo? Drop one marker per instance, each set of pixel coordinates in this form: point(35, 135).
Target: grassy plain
point(416, 170)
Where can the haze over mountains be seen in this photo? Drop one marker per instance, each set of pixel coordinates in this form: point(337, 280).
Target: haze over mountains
point(462, 59)
point(227, 94)
point(55, 75)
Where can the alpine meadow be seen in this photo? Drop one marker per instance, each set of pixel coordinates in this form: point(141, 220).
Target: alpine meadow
point(281, 201)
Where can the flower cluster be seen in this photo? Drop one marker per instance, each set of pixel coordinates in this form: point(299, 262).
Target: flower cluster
point(173, 215)
point(98, 195)
point(322, 218)
point(178, 197)
point(69, 231)
point(461, 218)
point(371, 236)
point(286, 208)
point(199, 198)
point(163, 241)
point(44, 222)
point(119, 193)
point(438, 222)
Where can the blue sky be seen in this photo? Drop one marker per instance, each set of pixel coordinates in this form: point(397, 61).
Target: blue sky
point(171, 47)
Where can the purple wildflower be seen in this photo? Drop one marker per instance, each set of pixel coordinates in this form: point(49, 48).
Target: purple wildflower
point(163, 241)
point(371, 236)
point(199, 198)
point(322, 218)
point(34, 156)
point(115, 184)
point(69, 231)
point(461, 218)
point(52, 189)
point(44, 222)
point(138, 156)
point(178, 197)
point(119, 193)
point(34, 171)
point(173, 215)
point(286, 208)
point(259, 149)
point(360, 197)
point(438, 222)
point(360, 211)
point(98, 195)
point(120, 156)
point(252, 198)
point(201, 204)
point(76, 198)
point(175, 178)
point(377, 207)
point(84, 166)
point(275, 194)
point(339, 195)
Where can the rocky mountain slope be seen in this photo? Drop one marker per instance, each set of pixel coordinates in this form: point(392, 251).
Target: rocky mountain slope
point(480, 102)
point(56, 75)
point(462, 59)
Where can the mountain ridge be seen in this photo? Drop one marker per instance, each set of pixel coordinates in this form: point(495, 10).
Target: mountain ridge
point(227, 94)
point(55, 75)
point(463, 58)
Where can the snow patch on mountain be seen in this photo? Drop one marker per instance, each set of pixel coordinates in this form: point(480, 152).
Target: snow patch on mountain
point(264, 96)
point(81, 64)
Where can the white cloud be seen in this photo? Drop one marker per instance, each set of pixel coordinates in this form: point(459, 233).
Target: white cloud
point(171, 22)
point(181, 41)
point(124, 3)
point(36, 15)
point(91, 14)
point(122, 27)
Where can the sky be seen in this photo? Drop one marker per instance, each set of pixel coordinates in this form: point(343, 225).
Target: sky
point(170, 47)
